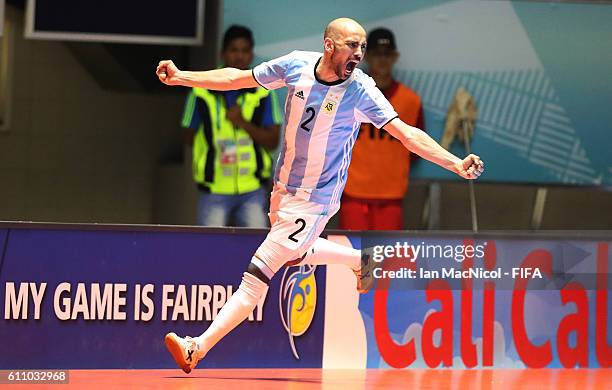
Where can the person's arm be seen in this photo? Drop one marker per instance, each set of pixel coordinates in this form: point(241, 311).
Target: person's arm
point(265, 130)
point(419, 142)
point(218, 79)
point(266, 136)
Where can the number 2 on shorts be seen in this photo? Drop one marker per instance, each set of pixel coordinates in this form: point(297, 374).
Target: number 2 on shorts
point(301, 222)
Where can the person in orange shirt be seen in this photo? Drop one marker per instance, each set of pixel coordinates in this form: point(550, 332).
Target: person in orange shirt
point(378, 176)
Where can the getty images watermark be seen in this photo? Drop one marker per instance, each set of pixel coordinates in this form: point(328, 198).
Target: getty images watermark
point(397, 263)
point(412, 252)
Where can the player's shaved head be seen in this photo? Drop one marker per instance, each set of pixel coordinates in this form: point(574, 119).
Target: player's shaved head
point(344, 44)
point(338, 28)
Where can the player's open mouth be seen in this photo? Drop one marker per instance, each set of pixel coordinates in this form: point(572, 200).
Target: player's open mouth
point(350, 67)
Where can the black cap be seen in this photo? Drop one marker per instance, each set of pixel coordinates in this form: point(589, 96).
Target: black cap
point(381, 38)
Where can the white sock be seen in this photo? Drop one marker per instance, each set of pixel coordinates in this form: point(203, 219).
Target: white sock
point(235, 310)
point(326, 252)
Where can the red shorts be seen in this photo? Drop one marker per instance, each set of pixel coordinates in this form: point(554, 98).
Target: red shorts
point(371, 214)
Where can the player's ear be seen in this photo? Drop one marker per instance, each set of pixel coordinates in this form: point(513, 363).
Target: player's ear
point(328, 45)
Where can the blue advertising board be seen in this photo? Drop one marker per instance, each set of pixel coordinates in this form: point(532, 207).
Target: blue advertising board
point(105, 297)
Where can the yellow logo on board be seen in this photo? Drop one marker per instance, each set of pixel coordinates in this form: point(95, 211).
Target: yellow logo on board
point(298, 301)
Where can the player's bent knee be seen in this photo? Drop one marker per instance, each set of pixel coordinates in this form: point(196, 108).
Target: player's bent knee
point(274, 255)
point(260, 270)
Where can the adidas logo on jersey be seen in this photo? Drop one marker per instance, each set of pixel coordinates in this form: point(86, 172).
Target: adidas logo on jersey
point(300, 94)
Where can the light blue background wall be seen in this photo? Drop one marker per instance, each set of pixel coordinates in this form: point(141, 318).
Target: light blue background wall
point(540, 73)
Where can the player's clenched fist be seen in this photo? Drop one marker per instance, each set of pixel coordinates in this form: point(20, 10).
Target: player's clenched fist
point(470, 167)
point(166, 71)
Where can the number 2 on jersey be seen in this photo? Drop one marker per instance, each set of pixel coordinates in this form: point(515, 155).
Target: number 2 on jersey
point(298, 221)
point(304, 124)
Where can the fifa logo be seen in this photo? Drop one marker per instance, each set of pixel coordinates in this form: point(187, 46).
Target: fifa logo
point(297, 301)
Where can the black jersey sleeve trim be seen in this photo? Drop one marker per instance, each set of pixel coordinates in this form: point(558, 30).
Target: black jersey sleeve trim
point(257, 81)
point(387, 122)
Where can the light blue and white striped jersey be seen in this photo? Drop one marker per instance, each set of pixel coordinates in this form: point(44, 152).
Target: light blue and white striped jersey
point(321, 123)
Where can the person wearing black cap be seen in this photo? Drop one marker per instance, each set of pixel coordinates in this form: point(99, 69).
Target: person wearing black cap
point(378, 174)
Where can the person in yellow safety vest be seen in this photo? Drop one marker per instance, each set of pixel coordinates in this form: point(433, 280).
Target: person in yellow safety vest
point(233, 133)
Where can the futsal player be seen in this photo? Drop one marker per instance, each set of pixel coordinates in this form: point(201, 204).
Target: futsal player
point(327, 99)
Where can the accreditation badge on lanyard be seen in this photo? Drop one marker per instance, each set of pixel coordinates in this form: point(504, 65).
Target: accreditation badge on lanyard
point(229, 152)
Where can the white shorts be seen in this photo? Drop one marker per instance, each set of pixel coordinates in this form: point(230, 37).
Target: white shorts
point(296, 225)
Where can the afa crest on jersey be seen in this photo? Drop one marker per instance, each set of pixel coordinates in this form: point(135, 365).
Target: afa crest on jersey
point(330, 104)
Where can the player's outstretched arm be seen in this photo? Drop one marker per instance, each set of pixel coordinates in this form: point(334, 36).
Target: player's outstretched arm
point(419, 142)
point(218, 79)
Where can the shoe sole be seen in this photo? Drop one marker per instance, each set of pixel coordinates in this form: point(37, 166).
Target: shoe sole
point(175, 350)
